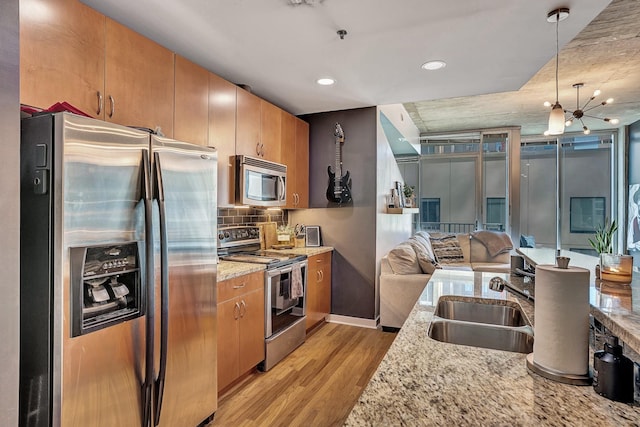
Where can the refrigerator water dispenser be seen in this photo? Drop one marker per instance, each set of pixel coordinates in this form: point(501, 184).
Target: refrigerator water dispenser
point(105, 286)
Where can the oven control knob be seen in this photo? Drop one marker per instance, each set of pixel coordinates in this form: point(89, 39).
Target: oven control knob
point(220, 235)
point(226, 234)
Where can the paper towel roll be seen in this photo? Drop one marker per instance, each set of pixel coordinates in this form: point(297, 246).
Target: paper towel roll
point(561, 310)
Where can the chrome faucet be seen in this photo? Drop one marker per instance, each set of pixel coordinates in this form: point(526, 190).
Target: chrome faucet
point(498, 284)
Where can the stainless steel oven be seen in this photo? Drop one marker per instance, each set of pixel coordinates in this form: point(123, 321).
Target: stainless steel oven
point(285, 312)
point(285, 290)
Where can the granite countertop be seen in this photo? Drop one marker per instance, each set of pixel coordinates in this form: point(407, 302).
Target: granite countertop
point(308, 251)
point(231, 269)
point(422, 381)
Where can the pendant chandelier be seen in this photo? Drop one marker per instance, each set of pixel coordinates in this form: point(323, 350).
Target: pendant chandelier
point(580, 112)
point(556, 117)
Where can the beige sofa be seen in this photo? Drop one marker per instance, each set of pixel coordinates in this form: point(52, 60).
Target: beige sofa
point(406, 269)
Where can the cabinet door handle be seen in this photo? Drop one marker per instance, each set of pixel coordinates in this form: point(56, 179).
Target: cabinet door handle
point(321, 275)
point(113, 106)
point(243, 308)
point(262, 150)
point(100, 101)
point(318, 279)
point(240, 286)
point(236, 311)
point(258, 148)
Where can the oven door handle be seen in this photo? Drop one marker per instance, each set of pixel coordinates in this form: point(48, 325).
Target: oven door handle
point(286, 270)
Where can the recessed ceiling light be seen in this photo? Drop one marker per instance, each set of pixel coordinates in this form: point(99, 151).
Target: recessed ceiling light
point(326, 81)
point(434, 65)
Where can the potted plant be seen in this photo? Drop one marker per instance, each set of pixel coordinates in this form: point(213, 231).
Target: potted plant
point(409, 192)
point(602, 243)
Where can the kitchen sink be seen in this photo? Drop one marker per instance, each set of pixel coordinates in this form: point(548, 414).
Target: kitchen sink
point(480, 310)
point(516, 339)
point(481, 322)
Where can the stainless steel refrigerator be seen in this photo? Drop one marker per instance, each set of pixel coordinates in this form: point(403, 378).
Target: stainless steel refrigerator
point(118, 276)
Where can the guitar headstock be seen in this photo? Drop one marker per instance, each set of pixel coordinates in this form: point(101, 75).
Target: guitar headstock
point(338, 133)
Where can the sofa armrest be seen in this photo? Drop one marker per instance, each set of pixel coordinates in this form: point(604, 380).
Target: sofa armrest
point(398, 295)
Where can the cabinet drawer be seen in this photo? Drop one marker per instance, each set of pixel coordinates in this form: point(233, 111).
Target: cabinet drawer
point(320, 259)
point(232, 288)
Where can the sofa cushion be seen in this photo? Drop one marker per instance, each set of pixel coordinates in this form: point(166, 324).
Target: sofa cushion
point(447, 249)
point(496, 242)
point(527, 241)
point(423, 237)
point(424, 255)
point(403, 259)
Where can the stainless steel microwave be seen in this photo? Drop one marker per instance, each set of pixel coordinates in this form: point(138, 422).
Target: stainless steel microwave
point(259, 182)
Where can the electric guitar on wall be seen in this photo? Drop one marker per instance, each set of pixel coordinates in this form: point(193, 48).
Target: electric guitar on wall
point(339, 188)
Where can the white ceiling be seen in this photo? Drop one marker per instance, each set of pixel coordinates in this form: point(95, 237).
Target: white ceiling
point(280, 49)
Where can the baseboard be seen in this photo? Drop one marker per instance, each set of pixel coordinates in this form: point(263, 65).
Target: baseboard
point(353, 321)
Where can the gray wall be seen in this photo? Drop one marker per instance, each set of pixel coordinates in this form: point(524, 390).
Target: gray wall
point(351, 230)
point(9, 211)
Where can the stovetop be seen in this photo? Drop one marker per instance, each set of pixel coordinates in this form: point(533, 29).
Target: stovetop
point(242, 244)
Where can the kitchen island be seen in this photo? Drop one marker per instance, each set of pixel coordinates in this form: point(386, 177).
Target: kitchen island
point(422, 381)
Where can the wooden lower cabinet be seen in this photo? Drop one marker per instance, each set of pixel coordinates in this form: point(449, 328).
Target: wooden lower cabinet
point(318, 289)
point(240, 326)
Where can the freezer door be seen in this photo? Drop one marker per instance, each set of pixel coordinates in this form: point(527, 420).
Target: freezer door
point(185, 189)
point(88, 193)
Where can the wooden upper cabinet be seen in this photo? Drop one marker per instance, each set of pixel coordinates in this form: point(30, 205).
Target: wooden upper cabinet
point(288, 157)
point(222, 132)
point(270, 131)
point(302, 163)
point(295, 154)
point(248, 124)
point(139, 80)
point(191, 110)
point(257, 127)
point(61, 54)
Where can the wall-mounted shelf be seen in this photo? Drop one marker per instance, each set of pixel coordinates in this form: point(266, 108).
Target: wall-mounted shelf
point(403, 210)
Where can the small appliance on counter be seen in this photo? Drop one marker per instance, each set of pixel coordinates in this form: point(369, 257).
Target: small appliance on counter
point(613, 372)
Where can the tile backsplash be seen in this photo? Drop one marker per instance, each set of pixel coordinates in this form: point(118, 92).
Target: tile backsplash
point(249, 216)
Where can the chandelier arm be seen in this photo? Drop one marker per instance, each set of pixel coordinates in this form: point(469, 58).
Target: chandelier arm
point(595, 106)
point(593, 117)
point(588, 102)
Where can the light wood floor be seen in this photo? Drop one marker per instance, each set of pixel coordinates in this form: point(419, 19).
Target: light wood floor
point(315, 386)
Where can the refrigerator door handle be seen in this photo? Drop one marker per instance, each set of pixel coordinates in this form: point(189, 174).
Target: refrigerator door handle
point(164, 290)
point(147, 387)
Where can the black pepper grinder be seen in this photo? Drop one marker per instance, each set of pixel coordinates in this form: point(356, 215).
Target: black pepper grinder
point(613, 372)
